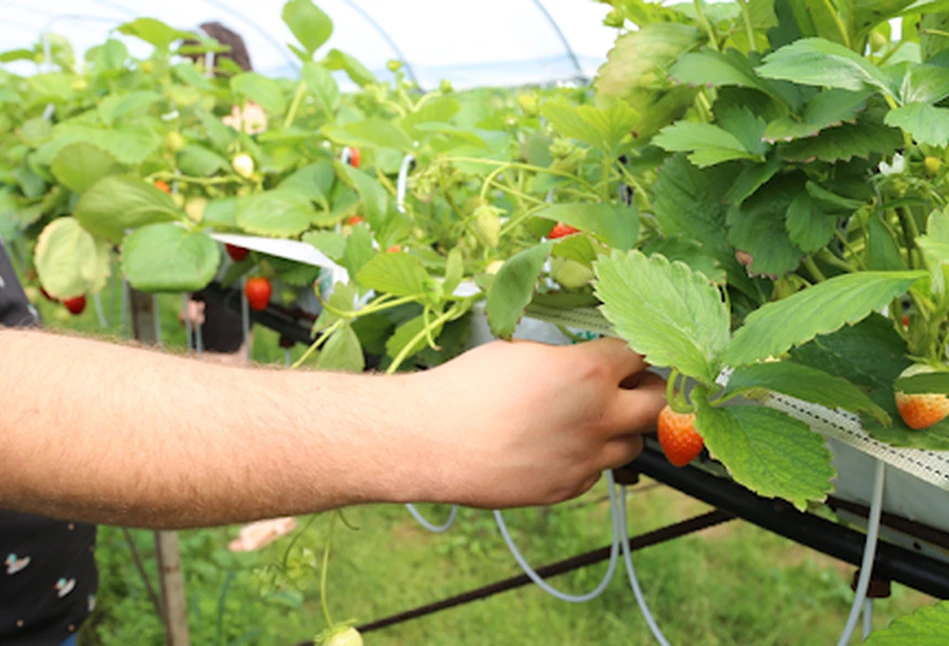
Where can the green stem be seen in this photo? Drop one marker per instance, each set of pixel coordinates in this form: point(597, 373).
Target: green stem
point(516, 221)
point(381, 304)
point(316, 344)
point(202, 181)
point(325, 567)
point(749, 27)
point(451, 314)
point(814, 270)
point(934, 32)
point(706, 25)
point(892, 51)
point(841, 28)
point(295, 105)
point(910, 233)
point(536, 169)
point(834, 261)
point(850, 249)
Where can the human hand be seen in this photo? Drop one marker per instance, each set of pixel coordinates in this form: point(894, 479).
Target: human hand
point(516, 424)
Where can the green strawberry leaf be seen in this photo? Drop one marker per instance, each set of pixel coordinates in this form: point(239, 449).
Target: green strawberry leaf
point(405, 333)
point(636, 72)
point(263, 91)
point(277, 214)
point(153, 31)
point(709, 67)
point(374, 198)
point(926, 123)
point(828, 109)
point(356, 71)
point(117, 106)
point(707, 144)
point(80, 165)
point(805, 383)
point(198, 161)
point(863, 139)
point(809, 226)
point(758, 228)
point(883, 252)
point(313, 180)
point(330, 243)
point(616, 226)
point(821, 309)
point(870, 354)
point(221, 212)
point(323, 86)
point(927, 626)
point(358, 250)
point(372, 133)
point(167, 257)
point(398, 274)
point(691, 252)
point(815, 61)
point(665, 311)
point(768, 452)
point(602, 129)
point(120, 202)
point(311, 26)
point(932, 382)
point(342, 352)
point(69, 261)
point(513, 287)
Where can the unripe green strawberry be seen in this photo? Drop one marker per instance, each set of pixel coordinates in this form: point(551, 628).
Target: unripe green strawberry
point(570, 273)
point(932, 165)
point(921, 410)
point(877, 41)
point(488, 223)
point(195, 208)
point(243, 165)
point(174, 141)
point(678, 438)
point(348, 637)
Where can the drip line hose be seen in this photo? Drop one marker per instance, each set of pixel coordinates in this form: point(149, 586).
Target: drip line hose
point(546, 587)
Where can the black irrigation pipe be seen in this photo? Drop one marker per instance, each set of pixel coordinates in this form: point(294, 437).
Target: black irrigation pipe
point(636, 543)
point(283, 321)
point(892, 562)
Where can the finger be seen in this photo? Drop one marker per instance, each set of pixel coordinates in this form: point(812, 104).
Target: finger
point(588, 484)
point(636, 410)
point(621, 451)
point(615, 354)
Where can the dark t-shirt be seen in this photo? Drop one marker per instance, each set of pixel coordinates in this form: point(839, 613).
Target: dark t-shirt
point(48, 572)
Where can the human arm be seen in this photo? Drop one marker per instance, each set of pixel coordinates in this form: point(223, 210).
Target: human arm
point(116, 434)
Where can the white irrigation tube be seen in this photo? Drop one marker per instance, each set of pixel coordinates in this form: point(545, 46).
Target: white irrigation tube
point(869, 553)
point(100, 313)
point(438, 529)
point(546, 587)
point(402, 187)
point(867, 618)
point(631, 573)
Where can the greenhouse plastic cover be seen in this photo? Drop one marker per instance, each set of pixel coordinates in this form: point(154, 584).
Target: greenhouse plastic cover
point(485, 43)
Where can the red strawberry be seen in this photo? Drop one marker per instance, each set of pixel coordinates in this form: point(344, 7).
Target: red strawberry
point(355, 157)
point(678, 438)
point(236, 253)
point(921, 410)
point(394, 249)
point(258, 291)
point(354, 220)
point(75, 305)
point(561, 230)
point(162, 186)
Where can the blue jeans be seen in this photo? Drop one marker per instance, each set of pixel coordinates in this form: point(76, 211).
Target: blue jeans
point(69, 642)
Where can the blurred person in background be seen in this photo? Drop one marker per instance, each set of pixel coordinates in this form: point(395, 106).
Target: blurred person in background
point(48, 579)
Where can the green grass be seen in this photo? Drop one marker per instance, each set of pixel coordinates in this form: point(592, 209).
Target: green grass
point(731, 585)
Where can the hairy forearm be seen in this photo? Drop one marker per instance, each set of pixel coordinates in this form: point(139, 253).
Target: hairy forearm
point(122, 435)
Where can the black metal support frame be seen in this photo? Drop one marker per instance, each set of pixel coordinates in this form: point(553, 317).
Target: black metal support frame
point(892, 562)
